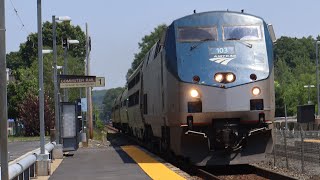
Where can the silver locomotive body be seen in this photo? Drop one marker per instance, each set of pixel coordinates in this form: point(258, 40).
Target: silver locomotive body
point(205, 91)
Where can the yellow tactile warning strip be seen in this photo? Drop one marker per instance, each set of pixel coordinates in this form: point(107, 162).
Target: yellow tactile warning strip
point(152, 167)
point(312, 140)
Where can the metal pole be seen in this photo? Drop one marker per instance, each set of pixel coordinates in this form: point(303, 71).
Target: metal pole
point(41, 87)
point(89, 107)
point(317, 67)
point(65, 72)
point(55, 80)
point(309, 94)
point(274, 146)
point(302, 148)
point(285, 115)
point(3, 96)
point(285, 147)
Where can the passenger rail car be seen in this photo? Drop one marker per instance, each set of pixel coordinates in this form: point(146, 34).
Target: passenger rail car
point(205, 90)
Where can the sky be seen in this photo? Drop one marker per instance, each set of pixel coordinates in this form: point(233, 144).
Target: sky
point(116, 26)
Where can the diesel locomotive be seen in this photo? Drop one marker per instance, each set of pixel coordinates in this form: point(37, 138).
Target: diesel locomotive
point(205, 90)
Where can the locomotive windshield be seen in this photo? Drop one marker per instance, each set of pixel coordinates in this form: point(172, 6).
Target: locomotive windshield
point(241, 33)
point(192, 34)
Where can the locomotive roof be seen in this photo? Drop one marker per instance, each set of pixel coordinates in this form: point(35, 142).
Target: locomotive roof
point(219, 12)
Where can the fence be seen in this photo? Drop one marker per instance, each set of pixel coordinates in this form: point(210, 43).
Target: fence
point(24, 168)
point(297, 150)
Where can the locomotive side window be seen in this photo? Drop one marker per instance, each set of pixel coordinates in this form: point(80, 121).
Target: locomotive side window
point(193, 34)
point(241, 33)
point(158, 49)
point(152, 53)
point(145, 104)
point(134, 99)
point(137, 78)
point(134, 81)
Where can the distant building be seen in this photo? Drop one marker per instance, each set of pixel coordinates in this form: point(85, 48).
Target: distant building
point(11, 127)
point(10, 77)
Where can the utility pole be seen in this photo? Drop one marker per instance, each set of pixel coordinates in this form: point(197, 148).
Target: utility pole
point(42, 159)
point(317, 68)
point(89, 100)
point(3, 96)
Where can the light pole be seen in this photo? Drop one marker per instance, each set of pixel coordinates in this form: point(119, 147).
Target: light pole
point(41, 87)
point(309, 86)
point(3, 96)
point(65, 67)
point(317, 68)
point(42, 158)
point(55, 79)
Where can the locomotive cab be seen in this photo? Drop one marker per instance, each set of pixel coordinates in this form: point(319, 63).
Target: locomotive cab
point(223, 62)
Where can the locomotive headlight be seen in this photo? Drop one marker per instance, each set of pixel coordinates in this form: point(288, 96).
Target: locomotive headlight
point(230, 77)
point(218, 77)
point(194, 93)
point(256, 91)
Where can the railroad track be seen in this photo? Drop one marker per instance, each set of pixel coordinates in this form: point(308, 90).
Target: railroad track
point(110, 128)
point(232, 172)
point(240, 172)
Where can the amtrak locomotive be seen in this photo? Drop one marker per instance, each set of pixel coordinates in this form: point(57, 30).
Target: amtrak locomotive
point(205, 90)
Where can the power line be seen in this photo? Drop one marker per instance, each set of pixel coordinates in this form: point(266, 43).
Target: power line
point(20, 19)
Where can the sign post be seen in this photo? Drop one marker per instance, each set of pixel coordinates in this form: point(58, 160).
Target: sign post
point(100, 82)
point(73, 81)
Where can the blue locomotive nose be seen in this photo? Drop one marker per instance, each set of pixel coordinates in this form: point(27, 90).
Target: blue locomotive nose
point(226, 58)
point(203, 46)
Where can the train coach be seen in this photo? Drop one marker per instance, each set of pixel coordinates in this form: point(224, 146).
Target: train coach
point(205, 90)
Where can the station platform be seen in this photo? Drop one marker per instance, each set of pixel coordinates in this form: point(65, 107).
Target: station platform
point(113, 162)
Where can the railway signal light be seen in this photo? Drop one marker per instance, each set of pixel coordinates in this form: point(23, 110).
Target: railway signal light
point(65, 43)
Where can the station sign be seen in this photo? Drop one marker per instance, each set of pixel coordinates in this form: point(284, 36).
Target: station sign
point(74, 81)
point(100, 82)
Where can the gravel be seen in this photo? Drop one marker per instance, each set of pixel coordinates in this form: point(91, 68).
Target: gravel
point(312, 170)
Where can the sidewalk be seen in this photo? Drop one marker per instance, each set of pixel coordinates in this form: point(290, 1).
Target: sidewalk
point(105, 162)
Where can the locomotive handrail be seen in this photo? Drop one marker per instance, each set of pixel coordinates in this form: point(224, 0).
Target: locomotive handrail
point(197, 133)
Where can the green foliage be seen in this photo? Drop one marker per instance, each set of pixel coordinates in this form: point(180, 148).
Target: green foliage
point(146, 43)
point(99, 124)
point(24, 64)
point(294, 68)
point(29, 114)
point(97, 97)
point(108, 101)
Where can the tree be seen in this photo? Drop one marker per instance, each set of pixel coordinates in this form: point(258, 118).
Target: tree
point(294, 68)
point(24, 64)
point(29, 115)
point(108, 100)
point(145, 45)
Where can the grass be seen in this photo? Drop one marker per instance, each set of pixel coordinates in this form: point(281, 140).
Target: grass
point(25, 139)
point(98, 134)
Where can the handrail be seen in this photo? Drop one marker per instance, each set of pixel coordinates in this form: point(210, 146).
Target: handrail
point(24, 162)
